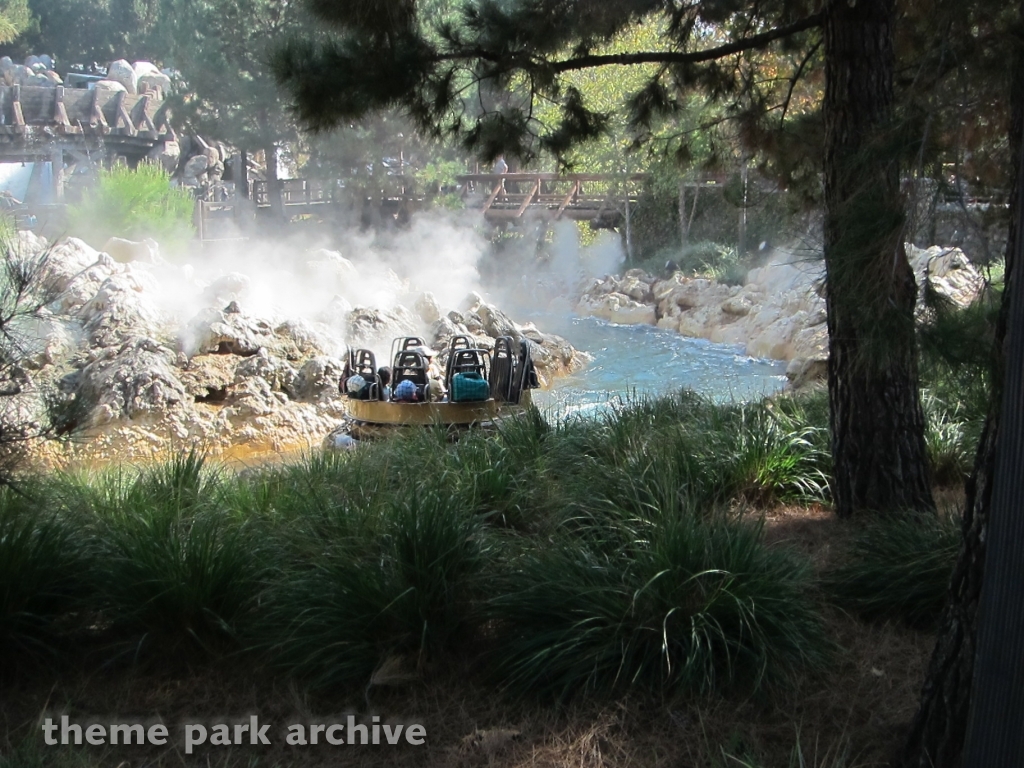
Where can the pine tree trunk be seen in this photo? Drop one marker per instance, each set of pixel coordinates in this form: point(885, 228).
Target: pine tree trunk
point(937, 735)
point(878, 447)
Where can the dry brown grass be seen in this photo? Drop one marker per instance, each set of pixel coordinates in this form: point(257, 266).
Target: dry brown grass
point(863, 702)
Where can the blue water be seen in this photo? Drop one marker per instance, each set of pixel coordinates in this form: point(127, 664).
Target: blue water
point(642, 359)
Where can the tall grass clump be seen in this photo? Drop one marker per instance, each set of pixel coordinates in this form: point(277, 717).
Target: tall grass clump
point(670, 452)
point(680, 603)
point(134, 204)
point(777, 455)
point(898, 568)
point(402, 585)
point(835, 755)
point(43, 565)
point(177, 573)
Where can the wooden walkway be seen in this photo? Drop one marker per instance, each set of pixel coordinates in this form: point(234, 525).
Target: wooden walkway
point(552, 196)
point(499, 197)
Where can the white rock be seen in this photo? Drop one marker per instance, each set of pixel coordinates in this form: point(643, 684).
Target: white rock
point(108, 85)
point(121, 71)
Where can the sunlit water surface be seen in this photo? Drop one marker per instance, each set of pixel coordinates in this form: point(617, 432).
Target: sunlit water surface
point(641, 359)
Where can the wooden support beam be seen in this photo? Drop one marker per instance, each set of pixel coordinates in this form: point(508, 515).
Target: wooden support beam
point(568, 198)
point(139, 117)
point(60, 114)
point(17, 118)
point(494, 195)
point(122, 120)
point(96, 118)
point(529, 199)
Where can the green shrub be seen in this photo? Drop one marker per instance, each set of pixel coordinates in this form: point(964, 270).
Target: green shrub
point(43, 572)
point(678, 603)
point(133, 204)
point(654, 450)
point(898, 568)
point(402, 587)
point(178, 574)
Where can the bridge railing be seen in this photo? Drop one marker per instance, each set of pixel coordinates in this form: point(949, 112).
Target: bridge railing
point(578, 195)
point(294, 192)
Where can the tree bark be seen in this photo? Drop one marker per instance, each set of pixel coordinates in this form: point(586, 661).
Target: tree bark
point(938, 732)
point(878, 446)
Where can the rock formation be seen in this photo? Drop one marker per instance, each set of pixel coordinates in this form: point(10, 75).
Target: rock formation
point(779, 312)
point(213, 372)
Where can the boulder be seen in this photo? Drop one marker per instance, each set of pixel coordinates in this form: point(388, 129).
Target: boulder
point(277, 373)
point(166, 155)
point(802, 372)
point(208, 378)
point(947, 274)
point(427, 308)
point(374, 327)
point(124, 251)
point(136, 379)
point(195, 166)
point(299, 339)
point(121, 309)
point(617, 308)
point(332, 271)
point(158, 83)
point(108, 85)
point(121, 71)
point(227, 288)
point(317, 378)
point(225, 333)
point(496, 323)
point(253, 398)
point(143, 68)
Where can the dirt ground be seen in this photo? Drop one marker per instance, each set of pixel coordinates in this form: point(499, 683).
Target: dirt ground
point(857, 711)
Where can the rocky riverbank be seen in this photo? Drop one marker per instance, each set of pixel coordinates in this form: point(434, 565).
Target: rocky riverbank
point(157, 359)
point(779, 311)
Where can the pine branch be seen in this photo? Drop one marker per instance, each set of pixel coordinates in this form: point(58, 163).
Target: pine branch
point(693, 57)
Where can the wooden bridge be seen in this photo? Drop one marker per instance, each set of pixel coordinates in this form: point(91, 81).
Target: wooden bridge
point(71, 127)
point(498, 196)
point(578, 196)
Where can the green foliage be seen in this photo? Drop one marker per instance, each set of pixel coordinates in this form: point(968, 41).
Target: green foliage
point(133, 204)
point(399, 586)
point(586, 555)
point(15, 18)
point(524, 77)
point(176, 572)
point(956, 372)
point(899, 568)
point(42, 557)
point(80, 32)
point(672, 602)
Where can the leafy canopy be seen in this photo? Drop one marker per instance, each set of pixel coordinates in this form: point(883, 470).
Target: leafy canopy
point(499, 75)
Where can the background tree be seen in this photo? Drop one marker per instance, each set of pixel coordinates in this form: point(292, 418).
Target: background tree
point(383, 54)
point(226, 90)
point(15, 19)
point(83, 32)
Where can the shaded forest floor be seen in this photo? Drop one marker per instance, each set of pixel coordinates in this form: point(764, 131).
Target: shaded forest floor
point(853, 714)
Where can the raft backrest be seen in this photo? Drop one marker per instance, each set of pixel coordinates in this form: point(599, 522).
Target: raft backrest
point(467, 361)
point(409, 366)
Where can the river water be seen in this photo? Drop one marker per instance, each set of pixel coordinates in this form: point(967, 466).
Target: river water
point(642, 359)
